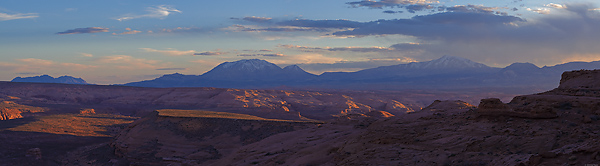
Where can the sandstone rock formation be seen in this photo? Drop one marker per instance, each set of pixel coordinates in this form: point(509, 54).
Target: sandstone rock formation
point(87, 111)
point(11, 110)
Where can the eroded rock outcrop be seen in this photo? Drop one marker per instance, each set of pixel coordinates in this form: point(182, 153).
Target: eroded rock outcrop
point(577, 95)
point(495, 107)
point(11, 110)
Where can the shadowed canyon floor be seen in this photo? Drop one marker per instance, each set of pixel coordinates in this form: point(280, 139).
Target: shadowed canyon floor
point(211, 126)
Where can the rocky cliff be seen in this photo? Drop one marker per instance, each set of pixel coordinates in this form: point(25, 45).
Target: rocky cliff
point(11, 110)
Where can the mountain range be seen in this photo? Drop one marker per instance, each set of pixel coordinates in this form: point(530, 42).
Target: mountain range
point(50, 79)
point(447, 72)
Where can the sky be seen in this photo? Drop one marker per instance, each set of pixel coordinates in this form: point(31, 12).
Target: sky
point(115, 41)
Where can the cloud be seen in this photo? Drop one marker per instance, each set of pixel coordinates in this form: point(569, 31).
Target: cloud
point(128, 31)
point(210, 53)
point(349, 49)
point(420, 7)
point(35, 61)
point(171, 69)
point(392, 12)
point(481, 34)
point(6, 16)
point(557, 6)
point(268, 55)
point(540, 10)
point(348, 66)
point(86, 55)
point(339, 24)
point(388, 3)
point(170, 52)
point(257, 19)
point(29, 73)
point(412, 6)
point(84, 30)
point(34, 64)
point(242, 28)
point(295, 25)
point(185, 30)
point(159, 12)
point(127, 62)
point(440, 25)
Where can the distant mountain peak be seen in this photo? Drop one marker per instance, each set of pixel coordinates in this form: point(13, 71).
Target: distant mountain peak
point(521, 66)
point(292, 68)
point(447, 61)
point(249, 65)
point(49, 79)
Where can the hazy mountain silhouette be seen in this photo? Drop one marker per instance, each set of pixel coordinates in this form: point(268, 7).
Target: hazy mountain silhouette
point(50, 79)
point(447, 72)
point(247, 73)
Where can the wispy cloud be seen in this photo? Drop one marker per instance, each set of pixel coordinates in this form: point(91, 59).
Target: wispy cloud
point(350, 49)
point(6, 16)
point(128, 31)
point(210, 53)
point(128, 62)
point(35, 61)
point(349, 66)
point(170, 52)
point(554, 5)
point(159, 12)
point(540, 10)
point(255, 19)
point(267, 55)
point(185, 30)
point(34, 64)
point(86, 55)
point(83, 30)
point(171, 69)
point(388, 3)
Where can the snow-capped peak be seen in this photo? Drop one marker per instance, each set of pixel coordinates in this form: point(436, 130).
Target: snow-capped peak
point(249, 65)
point(447, 61)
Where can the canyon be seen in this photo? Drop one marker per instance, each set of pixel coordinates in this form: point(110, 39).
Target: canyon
point(122, 125)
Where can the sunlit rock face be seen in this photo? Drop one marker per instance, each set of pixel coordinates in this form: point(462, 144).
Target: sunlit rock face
point(282, 104)
point(11, 110)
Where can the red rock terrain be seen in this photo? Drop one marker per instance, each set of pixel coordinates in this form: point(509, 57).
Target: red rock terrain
point(265, 103)
point(558, 127)
point(85, 125)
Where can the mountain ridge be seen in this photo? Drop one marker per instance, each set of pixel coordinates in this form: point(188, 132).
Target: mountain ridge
point(49, 79)
point(446, 72)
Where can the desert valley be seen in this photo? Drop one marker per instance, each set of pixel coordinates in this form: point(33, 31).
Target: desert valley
point(300, 83)
point(82, 124)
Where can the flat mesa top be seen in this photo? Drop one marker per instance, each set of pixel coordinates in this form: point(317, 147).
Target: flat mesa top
point(221, 115)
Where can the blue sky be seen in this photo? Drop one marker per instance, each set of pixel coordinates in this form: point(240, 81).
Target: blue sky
point(107, 42)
